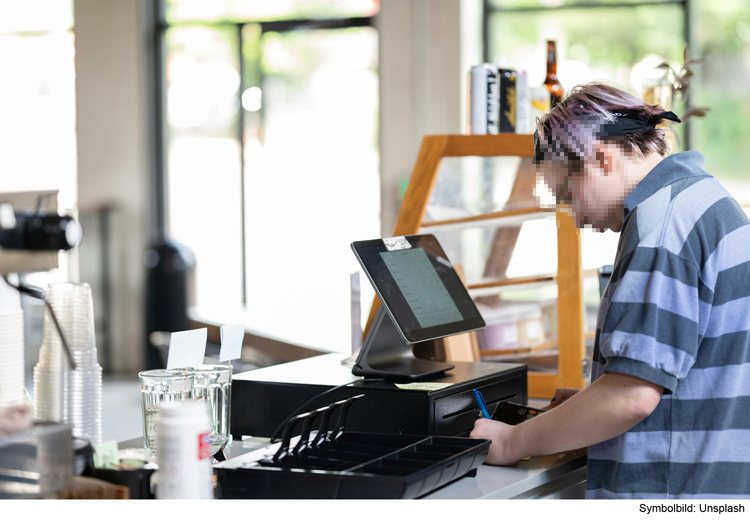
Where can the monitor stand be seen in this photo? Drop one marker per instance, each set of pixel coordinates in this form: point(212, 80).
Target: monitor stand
point(385, 354)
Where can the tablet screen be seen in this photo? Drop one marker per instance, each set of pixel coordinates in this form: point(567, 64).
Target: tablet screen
point(419, 287)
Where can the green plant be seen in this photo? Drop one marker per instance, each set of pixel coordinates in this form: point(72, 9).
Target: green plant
point(679, 81)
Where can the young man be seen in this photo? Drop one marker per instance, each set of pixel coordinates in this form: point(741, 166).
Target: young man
point(666, 414)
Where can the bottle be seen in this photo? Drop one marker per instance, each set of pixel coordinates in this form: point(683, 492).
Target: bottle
point(551, 82)
point(184, 451)
point(508, 99)
point(483, 100)
point(523, 104)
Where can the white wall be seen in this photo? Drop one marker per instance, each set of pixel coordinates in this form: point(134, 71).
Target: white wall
point(112, 102)
point(426, 48)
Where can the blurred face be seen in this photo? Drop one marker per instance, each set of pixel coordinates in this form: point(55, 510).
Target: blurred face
point(593, 190)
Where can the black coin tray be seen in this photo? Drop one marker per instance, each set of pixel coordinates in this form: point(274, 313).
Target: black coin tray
point(357, 466)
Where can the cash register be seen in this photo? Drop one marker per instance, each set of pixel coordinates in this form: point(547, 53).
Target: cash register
point(422, 299)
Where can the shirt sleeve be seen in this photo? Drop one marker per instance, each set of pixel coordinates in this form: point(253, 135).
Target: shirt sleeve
point(651, 327)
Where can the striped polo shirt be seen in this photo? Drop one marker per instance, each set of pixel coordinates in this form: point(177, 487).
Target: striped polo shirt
point(676, 313)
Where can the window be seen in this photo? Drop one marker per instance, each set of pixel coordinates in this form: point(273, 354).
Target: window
point(272, 157)
point(723, 36)
point(611, 40)
point(595, 39)
point(37, 98)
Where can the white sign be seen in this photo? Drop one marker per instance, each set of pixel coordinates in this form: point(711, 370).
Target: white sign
point(187, 349)
point(231, 342)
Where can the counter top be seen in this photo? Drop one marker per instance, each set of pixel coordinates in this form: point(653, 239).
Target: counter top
point(554, 476)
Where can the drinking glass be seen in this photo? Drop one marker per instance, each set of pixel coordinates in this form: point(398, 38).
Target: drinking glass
point(213, 384)
point(158, 386)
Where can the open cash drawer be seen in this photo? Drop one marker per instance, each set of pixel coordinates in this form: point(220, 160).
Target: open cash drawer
point(351, 465)
point(358, 466)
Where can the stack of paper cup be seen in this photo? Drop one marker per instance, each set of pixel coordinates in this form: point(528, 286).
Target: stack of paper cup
point(73, 396)
point(11, 347)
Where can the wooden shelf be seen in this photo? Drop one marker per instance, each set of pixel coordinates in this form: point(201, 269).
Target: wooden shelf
point(488, 146)
point(546, 345)
point(569, 276)
point(493, 287)
point(497, 219)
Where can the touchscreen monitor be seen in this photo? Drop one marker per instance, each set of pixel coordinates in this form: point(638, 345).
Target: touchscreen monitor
point(418, 286)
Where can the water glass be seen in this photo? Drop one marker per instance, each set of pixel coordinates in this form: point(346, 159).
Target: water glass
point(213, 384)
point(158, 386)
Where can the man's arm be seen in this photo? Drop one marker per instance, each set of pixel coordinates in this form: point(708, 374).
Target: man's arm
point(610, 406)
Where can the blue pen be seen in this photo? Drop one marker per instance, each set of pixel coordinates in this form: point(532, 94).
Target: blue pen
point(480, 402)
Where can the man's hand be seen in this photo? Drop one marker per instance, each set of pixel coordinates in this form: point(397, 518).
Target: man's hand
point(501, 450)
point(561, 395)
point(610, 406)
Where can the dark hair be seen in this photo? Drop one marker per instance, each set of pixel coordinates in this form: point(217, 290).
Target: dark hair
point(587, 107)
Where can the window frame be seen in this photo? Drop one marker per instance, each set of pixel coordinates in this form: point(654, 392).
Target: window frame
point(162, 25)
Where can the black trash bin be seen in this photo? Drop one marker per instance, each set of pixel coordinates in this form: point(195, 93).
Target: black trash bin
point(170, 288)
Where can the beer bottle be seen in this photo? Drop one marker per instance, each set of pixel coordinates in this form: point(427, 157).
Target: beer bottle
point(551, 83)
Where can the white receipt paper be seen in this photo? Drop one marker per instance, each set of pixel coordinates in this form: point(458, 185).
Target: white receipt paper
point(187, 349)
point(422, 386)
point(231, 341)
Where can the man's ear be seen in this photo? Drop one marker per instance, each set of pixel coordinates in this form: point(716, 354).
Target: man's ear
point(604, 157)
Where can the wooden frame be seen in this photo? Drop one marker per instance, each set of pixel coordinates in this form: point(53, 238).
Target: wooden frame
point(571, 339)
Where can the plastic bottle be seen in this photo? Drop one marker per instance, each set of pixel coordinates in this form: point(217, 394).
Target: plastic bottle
point(184, 451)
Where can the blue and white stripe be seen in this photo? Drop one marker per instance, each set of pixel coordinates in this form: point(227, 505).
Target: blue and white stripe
point(677, 313)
